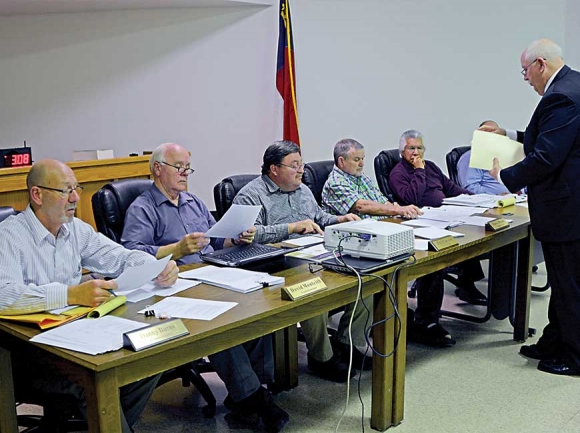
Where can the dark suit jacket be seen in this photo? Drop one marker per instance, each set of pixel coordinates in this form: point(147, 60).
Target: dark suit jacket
point(551, 168)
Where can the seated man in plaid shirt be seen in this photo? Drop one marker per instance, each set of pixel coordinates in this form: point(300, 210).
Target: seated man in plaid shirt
point(348, 189)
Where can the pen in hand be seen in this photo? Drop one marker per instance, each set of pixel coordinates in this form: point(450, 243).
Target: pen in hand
point(96, 277)
point(112, 293)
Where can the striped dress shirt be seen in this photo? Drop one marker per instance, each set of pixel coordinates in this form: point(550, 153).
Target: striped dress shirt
point(279, 208)
point(36, 268)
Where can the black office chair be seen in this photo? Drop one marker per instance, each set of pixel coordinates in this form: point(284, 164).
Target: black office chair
point(385, 161)
point(110, 205)
point(225, 191)
point(452, 158)
point(315, 175)
point(6, 211)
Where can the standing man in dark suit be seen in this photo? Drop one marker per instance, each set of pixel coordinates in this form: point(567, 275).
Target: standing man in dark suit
point(551, 170)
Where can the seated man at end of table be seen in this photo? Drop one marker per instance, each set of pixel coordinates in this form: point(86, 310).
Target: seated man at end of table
point(166, 219)
point(42, 253)
point(289, 210)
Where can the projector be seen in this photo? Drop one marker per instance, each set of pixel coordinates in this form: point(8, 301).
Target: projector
point(370, 238)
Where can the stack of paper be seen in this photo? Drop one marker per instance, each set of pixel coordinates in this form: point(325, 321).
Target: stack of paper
point(89, 336)
point(303, 241)
point(485, 146)
point(239, 280)
point(51, 319)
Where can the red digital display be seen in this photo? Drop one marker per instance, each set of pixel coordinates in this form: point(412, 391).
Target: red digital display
point(16, 157)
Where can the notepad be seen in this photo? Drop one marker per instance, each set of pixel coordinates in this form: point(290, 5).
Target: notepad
point(239, 280)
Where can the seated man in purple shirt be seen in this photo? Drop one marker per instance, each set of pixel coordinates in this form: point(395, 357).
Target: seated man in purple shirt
point(417, 181)
point(166, 219)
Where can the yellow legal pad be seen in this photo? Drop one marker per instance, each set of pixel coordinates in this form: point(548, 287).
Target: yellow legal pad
point(47, 320)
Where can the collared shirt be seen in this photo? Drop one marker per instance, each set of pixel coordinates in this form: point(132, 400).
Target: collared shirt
point(153, 221)
point(36, 268)
point(279, 208)
point(342, 190)
point(477, 180)
point(422, 187)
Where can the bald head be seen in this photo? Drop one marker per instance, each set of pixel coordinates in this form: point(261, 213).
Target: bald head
point(47, 172)
point(162, 152)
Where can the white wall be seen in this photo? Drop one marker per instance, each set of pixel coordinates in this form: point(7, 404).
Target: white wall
point(130, 80)
point(371, 69)
point(205, 77)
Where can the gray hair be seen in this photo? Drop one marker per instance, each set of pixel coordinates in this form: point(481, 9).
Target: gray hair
point(544, 48)
point(276, 152)
point(342, 147)
point(411, 133)
point(158, 155)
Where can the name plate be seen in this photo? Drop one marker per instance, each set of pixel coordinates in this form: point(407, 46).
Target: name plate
point(153, 335)
point(305, 288)
point(495, 225)
point(442, 243)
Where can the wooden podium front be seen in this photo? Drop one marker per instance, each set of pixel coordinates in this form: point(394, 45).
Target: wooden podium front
point(91, 175)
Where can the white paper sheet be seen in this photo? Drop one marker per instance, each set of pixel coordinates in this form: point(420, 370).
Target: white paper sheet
point(150, 289)
point(486, 145)
point(237, 219)
point(92, 336)
point(187, 308)
point(134, 277)
point(432, 233)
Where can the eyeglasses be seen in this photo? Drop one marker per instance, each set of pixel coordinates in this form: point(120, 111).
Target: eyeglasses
point(525, 70)
point(295, 167)
point(180, 169)
point(413, 148)
point(64, 192)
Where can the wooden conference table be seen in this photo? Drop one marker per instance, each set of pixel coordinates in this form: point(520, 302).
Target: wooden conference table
point(263, 312)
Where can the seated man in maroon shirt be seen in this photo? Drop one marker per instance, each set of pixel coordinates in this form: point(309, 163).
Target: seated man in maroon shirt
point(417, 181)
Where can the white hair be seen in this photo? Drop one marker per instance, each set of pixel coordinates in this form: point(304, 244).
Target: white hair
point(411, 133)
point(545, 49)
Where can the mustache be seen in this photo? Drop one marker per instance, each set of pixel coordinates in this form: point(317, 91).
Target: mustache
point(71, 207)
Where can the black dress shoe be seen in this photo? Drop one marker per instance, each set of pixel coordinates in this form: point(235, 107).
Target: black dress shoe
point(358, 359)
point(469, 293)
point(333, 369)
point(260, 405)
point(560, 367)
point(533, 352)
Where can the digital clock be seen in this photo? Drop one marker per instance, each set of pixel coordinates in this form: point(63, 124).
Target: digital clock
point(16, 157)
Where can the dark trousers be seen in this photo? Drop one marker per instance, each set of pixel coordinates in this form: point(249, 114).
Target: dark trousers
point(430, 290)
point(561, 337)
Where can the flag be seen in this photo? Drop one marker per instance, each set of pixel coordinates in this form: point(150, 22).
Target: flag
point(285, 74)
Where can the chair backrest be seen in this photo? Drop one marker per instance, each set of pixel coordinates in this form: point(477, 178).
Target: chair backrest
point(111, 202)
point(385, 161)
point(315, 175)
point(225, 191)
point(6, 211)
point(452, 158)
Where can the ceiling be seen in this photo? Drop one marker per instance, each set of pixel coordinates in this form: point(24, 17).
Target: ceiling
point(21, 7)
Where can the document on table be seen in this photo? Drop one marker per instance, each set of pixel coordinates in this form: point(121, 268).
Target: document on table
point(187, 308)
point(150, 289)
point(303, 241)
point(239, 280)
point(92, 336)
point(486, 145)
point(236, 220)
point(432, 233)
point(136, 276)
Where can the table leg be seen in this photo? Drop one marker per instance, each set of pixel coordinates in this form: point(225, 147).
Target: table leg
point(523, 288)
point(103, 402)
point(382, 409)
point(8, 421)
point(285, 342)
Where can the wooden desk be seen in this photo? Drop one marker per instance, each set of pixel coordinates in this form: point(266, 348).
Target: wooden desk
point(510, 285)
point(92, 175)
point(258, 314)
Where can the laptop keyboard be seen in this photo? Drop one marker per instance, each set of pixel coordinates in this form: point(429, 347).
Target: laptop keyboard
point(247, 253)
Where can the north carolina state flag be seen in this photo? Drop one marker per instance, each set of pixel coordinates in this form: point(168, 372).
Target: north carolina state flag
point(285, 74)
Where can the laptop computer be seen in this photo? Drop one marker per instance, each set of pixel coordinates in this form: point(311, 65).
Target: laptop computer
point(244, 254)
point(360, 264)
